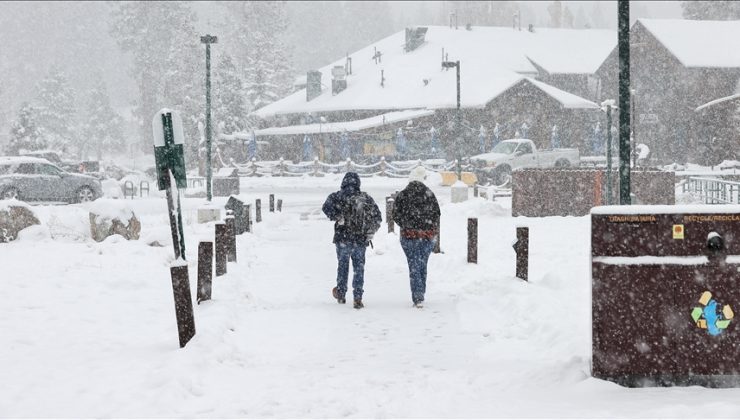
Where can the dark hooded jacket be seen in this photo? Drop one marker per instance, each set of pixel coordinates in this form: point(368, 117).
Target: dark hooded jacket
point(416, 211)
point(336, 203)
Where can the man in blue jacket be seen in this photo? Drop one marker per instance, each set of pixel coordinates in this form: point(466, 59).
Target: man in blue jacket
point(356, 219)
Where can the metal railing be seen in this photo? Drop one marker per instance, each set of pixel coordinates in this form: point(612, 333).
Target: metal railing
point(398, 169)
point(713, 190)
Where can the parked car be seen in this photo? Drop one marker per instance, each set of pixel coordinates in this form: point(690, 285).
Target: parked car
point(36, 179)
point(509, 155)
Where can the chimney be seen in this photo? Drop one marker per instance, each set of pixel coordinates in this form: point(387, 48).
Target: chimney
point(313, 84)
point(415, 37)
point(338, 81)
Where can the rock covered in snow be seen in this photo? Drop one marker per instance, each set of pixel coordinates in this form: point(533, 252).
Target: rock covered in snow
point(113, 217)
point(14, 217)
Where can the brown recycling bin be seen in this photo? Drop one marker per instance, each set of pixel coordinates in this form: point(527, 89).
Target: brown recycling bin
point(665, 290)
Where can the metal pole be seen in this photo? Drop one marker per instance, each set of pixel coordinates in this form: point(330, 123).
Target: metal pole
point(608, 154)
point(458, 124)
point(209, 195)
point(624, 101)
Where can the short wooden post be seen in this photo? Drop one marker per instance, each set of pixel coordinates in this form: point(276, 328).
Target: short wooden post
point(473, 240)
point(521, 246)
point(272, 203)
point(205, 271)
point(248, 212)
point(475, 190)
point(183, 302)
point(389, 214)
point(258, 210)
point(221, 248)
point(231, 237)
point(280, 205)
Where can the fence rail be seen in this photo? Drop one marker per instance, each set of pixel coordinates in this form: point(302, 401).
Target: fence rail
point(712, 190)
point(397, 169)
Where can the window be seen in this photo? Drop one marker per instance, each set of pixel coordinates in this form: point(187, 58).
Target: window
point(25, 169)
point(525, 148)
point(45, 169)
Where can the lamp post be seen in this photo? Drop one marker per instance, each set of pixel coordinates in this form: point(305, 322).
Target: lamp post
point(208, 40)
point(456, 64)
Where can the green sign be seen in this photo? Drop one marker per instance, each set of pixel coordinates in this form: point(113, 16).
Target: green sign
point(168, 148)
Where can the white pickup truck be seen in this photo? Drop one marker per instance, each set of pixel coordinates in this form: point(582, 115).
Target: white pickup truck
point(508, 155)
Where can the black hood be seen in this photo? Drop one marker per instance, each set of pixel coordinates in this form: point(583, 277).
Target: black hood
point(351, 182)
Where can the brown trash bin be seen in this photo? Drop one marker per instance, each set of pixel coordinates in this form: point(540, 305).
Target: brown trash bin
point(665, 287)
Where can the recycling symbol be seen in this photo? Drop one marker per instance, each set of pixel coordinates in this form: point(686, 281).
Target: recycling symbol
point(709, 317)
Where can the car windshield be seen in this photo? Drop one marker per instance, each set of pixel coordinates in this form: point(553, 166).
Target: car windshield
point(505, 147)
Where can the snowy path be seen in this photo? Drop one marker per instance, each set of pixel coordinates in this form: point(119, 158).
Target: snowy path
point(88, 329)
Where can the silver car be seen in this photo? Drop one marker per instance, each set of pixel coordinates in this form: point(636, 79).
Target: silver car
point(36, 179)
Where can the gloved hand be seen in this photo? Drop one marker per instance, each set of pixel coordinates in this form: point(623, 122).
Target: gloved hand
point(369, 237)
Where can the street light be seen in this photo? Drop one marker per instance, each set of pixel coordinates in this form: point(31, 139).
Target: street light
point(208, 40)
point(447, 65)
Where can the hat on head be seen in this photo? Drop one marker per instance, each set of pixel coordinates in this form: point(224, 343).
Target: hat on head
point(418, 174)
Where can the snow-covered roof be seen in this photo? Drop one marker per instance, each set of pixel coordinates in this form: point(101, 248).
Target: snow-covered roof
point(568, 100)
point(492, 59)
point(699, 43)
point(14, 160)
point(338, 127)
point(717, 101)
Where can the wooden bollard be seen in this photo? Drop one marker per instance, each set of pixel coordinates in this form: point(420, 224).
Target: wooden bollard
point(248, 211)
point(473, 240)
point(389, 214)
point(231, 235)
point(205, 271)
point(272, 203)
point(280, 205)
point(183, 303)
point(521, 246)
point(258, 210)
point(475, 190)
point(221, 248)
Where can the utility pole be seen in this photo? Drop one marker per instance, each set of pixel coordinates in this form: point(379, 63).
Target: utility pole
point(608, 154)
point(623, 42)
point(208, 40)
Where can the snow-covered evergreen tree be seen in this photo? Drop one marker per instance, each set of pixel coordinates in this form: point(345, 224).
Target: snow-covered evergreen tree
point(102, 127)
point(169, 65)
point(25, 133)
point(711, 10)
point(229, 103)
point(259, 49)
point(556, 14)
point(57, 110)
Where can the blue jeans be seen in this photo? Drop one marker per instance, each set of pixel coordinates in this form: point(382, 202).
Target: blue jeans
point(417, 254)
point(345, 251)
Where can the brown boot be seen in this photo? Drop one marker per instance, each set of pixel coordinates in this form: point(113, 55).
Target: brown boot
point(335, 293)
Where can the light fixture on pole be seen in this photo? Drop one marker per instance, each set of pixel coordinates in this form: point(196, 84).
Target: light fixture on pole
point(208, 40)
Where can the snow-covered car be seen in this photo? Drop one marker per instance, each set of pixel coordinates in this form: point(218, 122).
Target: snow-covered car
point(509, 155)
point(36, 179)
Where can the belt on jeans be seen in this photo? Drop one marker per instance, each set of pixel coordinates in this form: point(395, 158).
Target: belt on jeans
point(418, 234)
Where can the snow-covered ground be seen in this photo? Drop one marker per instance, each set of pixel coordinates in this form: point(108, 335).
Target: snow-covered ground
point(88, 329)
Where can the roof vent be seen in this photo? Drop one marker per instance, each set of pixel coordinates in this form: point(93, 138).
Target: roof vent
point(338, 81)
point(313, 84)
point(415, 37)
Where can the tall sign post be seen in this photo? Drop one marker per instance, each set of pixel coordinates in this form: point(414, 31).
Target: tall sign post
point(170, 161)
point(169, 139)
point(458, 123)
point(208, 40)
point(623, 42)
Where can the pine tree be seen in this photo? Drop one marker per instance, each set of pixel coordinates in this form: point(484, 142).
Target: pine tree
point(102, 127)
point(261, 51)
point(556, 14)
point(567, 17)
point(57, 110)
point(230, 106)
point(25, 133)
point(168, 63)
point(711, 10)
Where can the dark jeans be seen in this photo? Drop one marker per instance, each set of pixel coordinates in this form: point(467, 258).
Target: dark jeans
point(417, 254)
point(345, 251)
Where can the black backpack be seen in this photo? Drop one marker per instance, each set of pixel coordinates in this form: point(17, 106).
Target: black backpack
point(358, 215)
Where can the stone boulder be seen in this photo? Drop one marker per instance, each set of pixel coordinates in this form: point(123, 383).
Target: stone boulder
point(14, 217)
point(113, 217)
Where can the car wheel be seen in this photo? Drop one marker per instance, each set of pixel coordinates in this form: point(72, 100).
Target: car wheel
point(85, 194)
point(502, 176)
point(562, 163)
point(10, 194)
